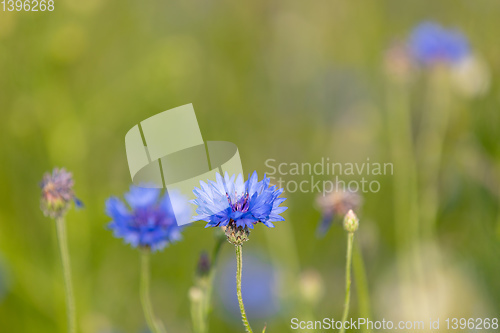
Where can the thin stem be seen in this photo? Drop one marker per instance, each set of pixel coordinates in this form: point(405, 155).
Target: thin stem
point(239, 267)
point(63, 249)
point(154, 325)
point(350, 238)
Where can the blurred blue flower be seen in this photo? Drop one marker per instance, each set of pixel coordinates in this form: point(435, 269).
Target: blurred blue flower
point(150, 222)
point(57, 193)
point(229, 202)
point(260, 286)
point(430, 43)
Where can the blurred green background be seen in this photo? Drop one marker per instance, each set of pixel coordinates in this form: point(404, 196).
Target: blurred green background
point(293, 81)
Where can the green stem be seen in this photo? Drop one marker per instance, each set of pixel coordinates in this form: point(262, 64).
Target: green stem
point(239, 267)
point(154, 325)
point(63, 249)
point(350, 238)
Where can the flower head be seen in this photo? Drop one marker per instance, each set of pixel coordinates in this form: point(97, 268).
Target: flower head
point(57, 193)
point(430, 43)
point(150, 221)
point(238, 205)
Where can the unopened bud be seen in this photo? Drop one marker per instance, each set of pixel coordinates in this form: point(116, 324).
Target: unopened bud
point(203, 267)
point(351, 221)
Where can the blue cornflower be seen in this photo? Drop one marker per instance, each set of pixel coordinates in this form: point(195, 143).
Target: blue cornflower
point(151, 222)
point(238, 205)
point(57, 193)
point(430, 43)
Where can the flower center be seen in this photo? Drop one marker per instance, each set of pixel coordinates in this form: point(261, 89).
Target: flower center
point(241, 204)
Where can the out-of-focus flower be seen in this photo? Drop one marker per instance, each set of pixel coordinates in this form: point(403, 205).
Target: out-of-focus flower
point(447, 286)
point(471, 76)
point(259, 288)
point(238, 205)
point(431, 44)
point(57, 193)
point(398, 63)
point(311, 286)
point(150, 222)
point(336, 204)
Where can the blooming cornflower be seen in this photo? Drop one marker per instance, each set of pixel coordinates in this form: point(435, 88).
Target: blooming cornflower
point(150, 222)
point(430, 43)
point(238, 206)
point(57, 193)
point(56, 198)
point(335, 204)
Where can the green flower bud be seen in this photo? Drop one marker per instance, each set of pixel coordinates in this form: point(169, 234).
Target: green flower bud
point(351, 221)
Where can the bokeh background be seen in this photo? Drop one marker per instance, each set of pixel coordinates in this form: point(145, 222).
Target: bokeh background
point(293, 81)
